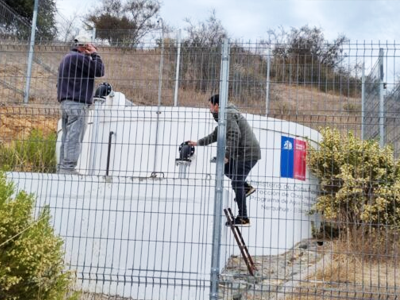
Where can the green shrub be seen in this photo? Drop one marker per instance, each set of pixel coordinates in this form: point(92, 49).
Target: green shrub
point(352, 108)
point(31, 256)
point(34, 154)
point(360, 182)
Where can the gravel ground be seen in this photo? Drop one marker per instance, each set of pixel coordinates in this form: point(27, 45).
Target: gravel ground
point(274, 273)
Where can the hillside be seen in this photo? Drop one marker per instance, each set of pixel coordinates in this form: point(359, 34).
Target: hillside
point(136, 74)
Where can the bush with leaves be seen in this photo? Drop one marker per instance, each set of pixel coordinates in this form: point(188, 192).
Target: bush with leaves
point(31, 256)
point(360, 181)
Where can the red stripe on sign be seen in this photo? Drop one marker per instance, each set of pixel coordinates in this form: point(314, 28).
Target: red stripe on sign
point(300, 156)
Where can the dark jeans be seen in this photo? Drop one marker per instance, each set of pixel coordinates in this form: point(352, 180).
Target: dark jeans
point(237, 171)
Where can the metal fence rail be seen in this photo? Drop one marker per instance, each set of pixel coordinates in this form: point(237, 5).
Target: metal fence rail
point(139, 223)
point(392, 109)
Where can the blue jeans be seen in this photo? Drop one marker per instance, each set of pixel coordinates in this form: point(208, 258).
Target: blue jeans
point(237, 171)
point(74, 123)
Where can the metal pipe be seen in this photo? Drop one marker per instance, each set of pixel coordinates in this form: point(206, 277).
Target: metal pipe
point(93, 34)
point(31, 51)
point(159, 95)
point(268, 82)
point(362, 101)
point(219, 180)
point(109, 152)
point(160, 75)
point(178, 61)
point(381, 102)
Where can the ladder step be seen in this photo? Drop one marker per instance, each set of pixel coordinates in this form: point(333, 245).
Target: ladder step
point(239, 240)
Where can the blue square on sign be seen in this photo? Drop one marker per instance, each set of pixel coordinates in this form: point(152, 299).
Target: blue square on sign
point(287, 157)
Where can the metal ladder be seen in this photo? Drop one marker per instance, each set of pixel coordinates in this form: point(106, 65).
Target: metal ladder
point(239, 240)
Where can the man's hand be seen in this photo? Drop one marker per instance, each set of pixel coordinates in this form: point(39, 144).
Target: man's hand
point(90, 49)
point(192, 143)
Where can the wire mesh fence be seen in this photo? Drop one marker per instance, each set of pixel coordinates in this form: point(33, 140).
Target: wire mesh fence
point(391, 108)
point(142, 219)
point(372, 102)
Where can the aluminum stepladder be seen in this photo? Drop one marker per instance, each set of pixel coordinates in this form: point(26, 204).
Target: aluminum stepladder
point(239, 240)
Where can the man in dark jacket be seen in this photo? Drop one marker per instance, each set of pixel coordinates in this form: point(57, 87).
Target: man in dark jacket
point(241, 154)
point(75, 85)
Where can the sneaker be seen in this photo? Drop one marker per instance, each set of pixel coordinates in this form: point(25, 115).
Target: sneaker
point(240, 222)
point(248, 189)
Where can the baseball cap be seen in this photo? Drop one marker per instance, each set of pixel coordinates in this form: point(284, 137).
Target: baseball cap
point(81, 40)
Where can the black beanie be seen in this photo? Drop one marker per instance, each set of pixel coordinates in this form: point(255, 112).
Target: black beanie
point(214, 99)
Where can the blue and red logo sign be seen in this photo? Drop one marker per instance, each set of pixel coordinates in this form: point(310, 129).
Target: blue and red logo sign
point(293, 158)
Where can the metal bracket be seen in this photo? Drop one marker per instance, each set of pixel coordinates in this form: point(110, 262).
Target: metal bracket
point(154, 174)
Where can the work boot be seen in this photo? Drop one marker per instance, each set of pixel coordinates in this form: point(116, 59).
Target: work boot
point(240, 222)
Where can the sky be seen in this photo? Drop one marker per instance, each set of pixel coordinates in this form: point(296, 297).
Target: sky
point(359, 20)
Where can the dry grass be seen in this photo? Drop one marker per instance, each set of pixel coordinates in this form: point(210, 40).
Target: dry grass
point(349, 278)
point(17, 122)
point(97, 296)
point(361, 267)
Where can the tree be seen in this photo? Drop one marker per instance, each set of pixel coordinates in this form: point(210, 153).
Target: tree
point(68, 27)
point(209, 33)
point(124, 22)
point(12, 24)
point(46, 21)
point(310, 58)
point(307, 44)
point(201, 50)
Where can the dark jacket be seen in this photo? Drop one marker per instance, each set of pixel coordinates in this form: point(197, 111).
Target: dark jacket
point(76, 76)
point(241, 143)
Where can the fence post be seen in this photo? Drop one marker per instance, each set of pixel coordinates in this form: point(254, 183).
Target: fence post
point(381, 102)
point(93, 34)
point(268, 82)
point(362, 101)
point(31, 50)
point(219, 178)
point(178, 61)
point(159, 95)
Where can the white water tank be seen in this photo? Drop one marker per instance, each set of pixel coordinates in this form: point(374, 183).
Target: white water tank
point(143, 228)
